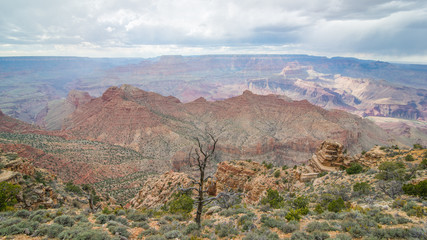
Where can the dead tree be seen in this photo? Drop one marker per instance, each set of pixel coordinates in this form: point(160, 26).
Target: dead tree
point(199, 158)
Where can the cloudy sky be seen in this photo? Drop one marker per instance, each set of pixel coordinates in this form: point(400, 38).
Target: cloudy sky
point(369, 29)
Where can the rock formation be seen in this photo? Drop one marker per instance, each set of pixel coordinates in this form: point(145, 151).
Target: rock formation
point(34, 192)
point(328, 157)
point(249, 178)
point(158, 190)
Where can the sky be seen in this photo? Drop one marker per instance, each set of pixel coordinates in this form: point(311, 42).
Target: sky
point(369, 29)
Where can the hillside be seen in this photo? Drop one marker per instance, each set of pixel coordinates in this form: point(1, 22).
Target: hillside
point(250, 126)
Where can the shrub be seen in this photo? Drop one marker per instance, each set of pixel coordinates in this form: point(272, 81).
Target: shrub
point(320, 235)
point(418, 146)
point(342, 236)
point(409, 158)
point(391, 171)
point(181, 203)
point(190, 228)
point(301, 236)
point(293, 215)
point(137, 216)
point(277, 173)
point(362, 188)
point(116, 228)
point(267, 165)
point(319, 226)
point(156, 237)
point(284, 167)
point(262, 234)
point(22, 213)
point(423, 164)
point(246, 222)
point(336, 205)
point(70, 187)
point(355, 168)
point(225, 230)
point(233, 211)
point(92, 234)
point(280, 224)
point(51, 231)
point(13, 226)
point(419, 189)
point(64, 220)
point(102, 218)
point(8, 193)
point(273, 199)
point(174, 234)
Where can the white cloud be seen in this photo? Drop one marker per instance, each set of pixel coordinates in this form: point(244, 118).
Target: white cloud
point(342, 27)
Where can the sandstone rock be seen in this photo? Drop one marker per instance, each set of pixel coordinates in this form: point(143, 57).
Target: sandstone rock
point(157, 190)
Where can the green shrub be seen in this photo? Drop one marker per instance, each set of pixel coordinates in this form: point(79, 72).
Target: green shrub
point(14, 226)
point(225, 230)
point(319, 226)
point(267, 165)
point(409, 158)
point(155, 237)
point(423, 164)
point(277, 173)
point(233, 211)
point(293, 215)
point(262, 234)
point(190, 228)
point(174, 234)
point(342, 236)
point(102, 218)
point(51, 231)
point(246, 222)
point(391, 171)
point(362, 188)
point(22, 213)
point(92, 234)
point(284, 167)
point(64, 220)
point(137, 216)
point(355, 168)
point(418, 146)
point(280, 224)
point(273, 199)
point(301, 236)
point(181, 203)
point(70, 187)
point(324, 173)
point(419, 189)
point(320, 235)
point(336, 205)
point(8, 193)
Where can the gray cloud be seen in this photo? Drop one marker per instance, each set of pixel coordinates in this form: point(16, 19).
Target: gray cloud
point(371, 28)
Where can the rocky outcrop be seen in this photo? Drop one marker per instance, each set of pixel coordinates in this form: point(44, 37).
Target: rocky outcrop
point(408, 111)
point(251, 178)
point(158, 190)
point(329, 157)
point(34, 192)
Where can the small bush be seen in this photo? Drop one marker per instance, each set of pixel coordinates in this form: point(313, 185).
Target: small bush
point(320, 235)
point(362, 188)
point(277, 173)
point(293, 215)
point(156, 237)
point(137, 216)
point(280, 224)
point(273, 199)
point(355, 168)
point(102, 218)
point(64, 220)
point(8, 193)
point(190, 228)
point(419, 189)
point(22, 213)
point(301, 236)
point(319, 226)
point(336, 205)
point(225, 230)
point(70, 187)
point(174, 234)
point(181, 203)
point(409, 158)
point(51, 231)
point(262, 234)
point(92, 234)
point(116, 228)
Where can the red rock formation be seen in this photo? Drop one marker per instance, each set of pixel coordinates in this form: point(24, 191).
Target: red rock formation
point(249, 125)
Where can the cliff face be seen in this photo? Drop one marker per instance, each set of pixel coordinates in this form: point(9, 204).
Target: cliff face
point(250, 125)
point(250, 178)
point(408, 111)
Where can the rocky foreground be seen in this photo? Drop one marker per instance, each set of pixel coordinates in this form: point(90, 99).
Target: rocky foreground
point(379, 194)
